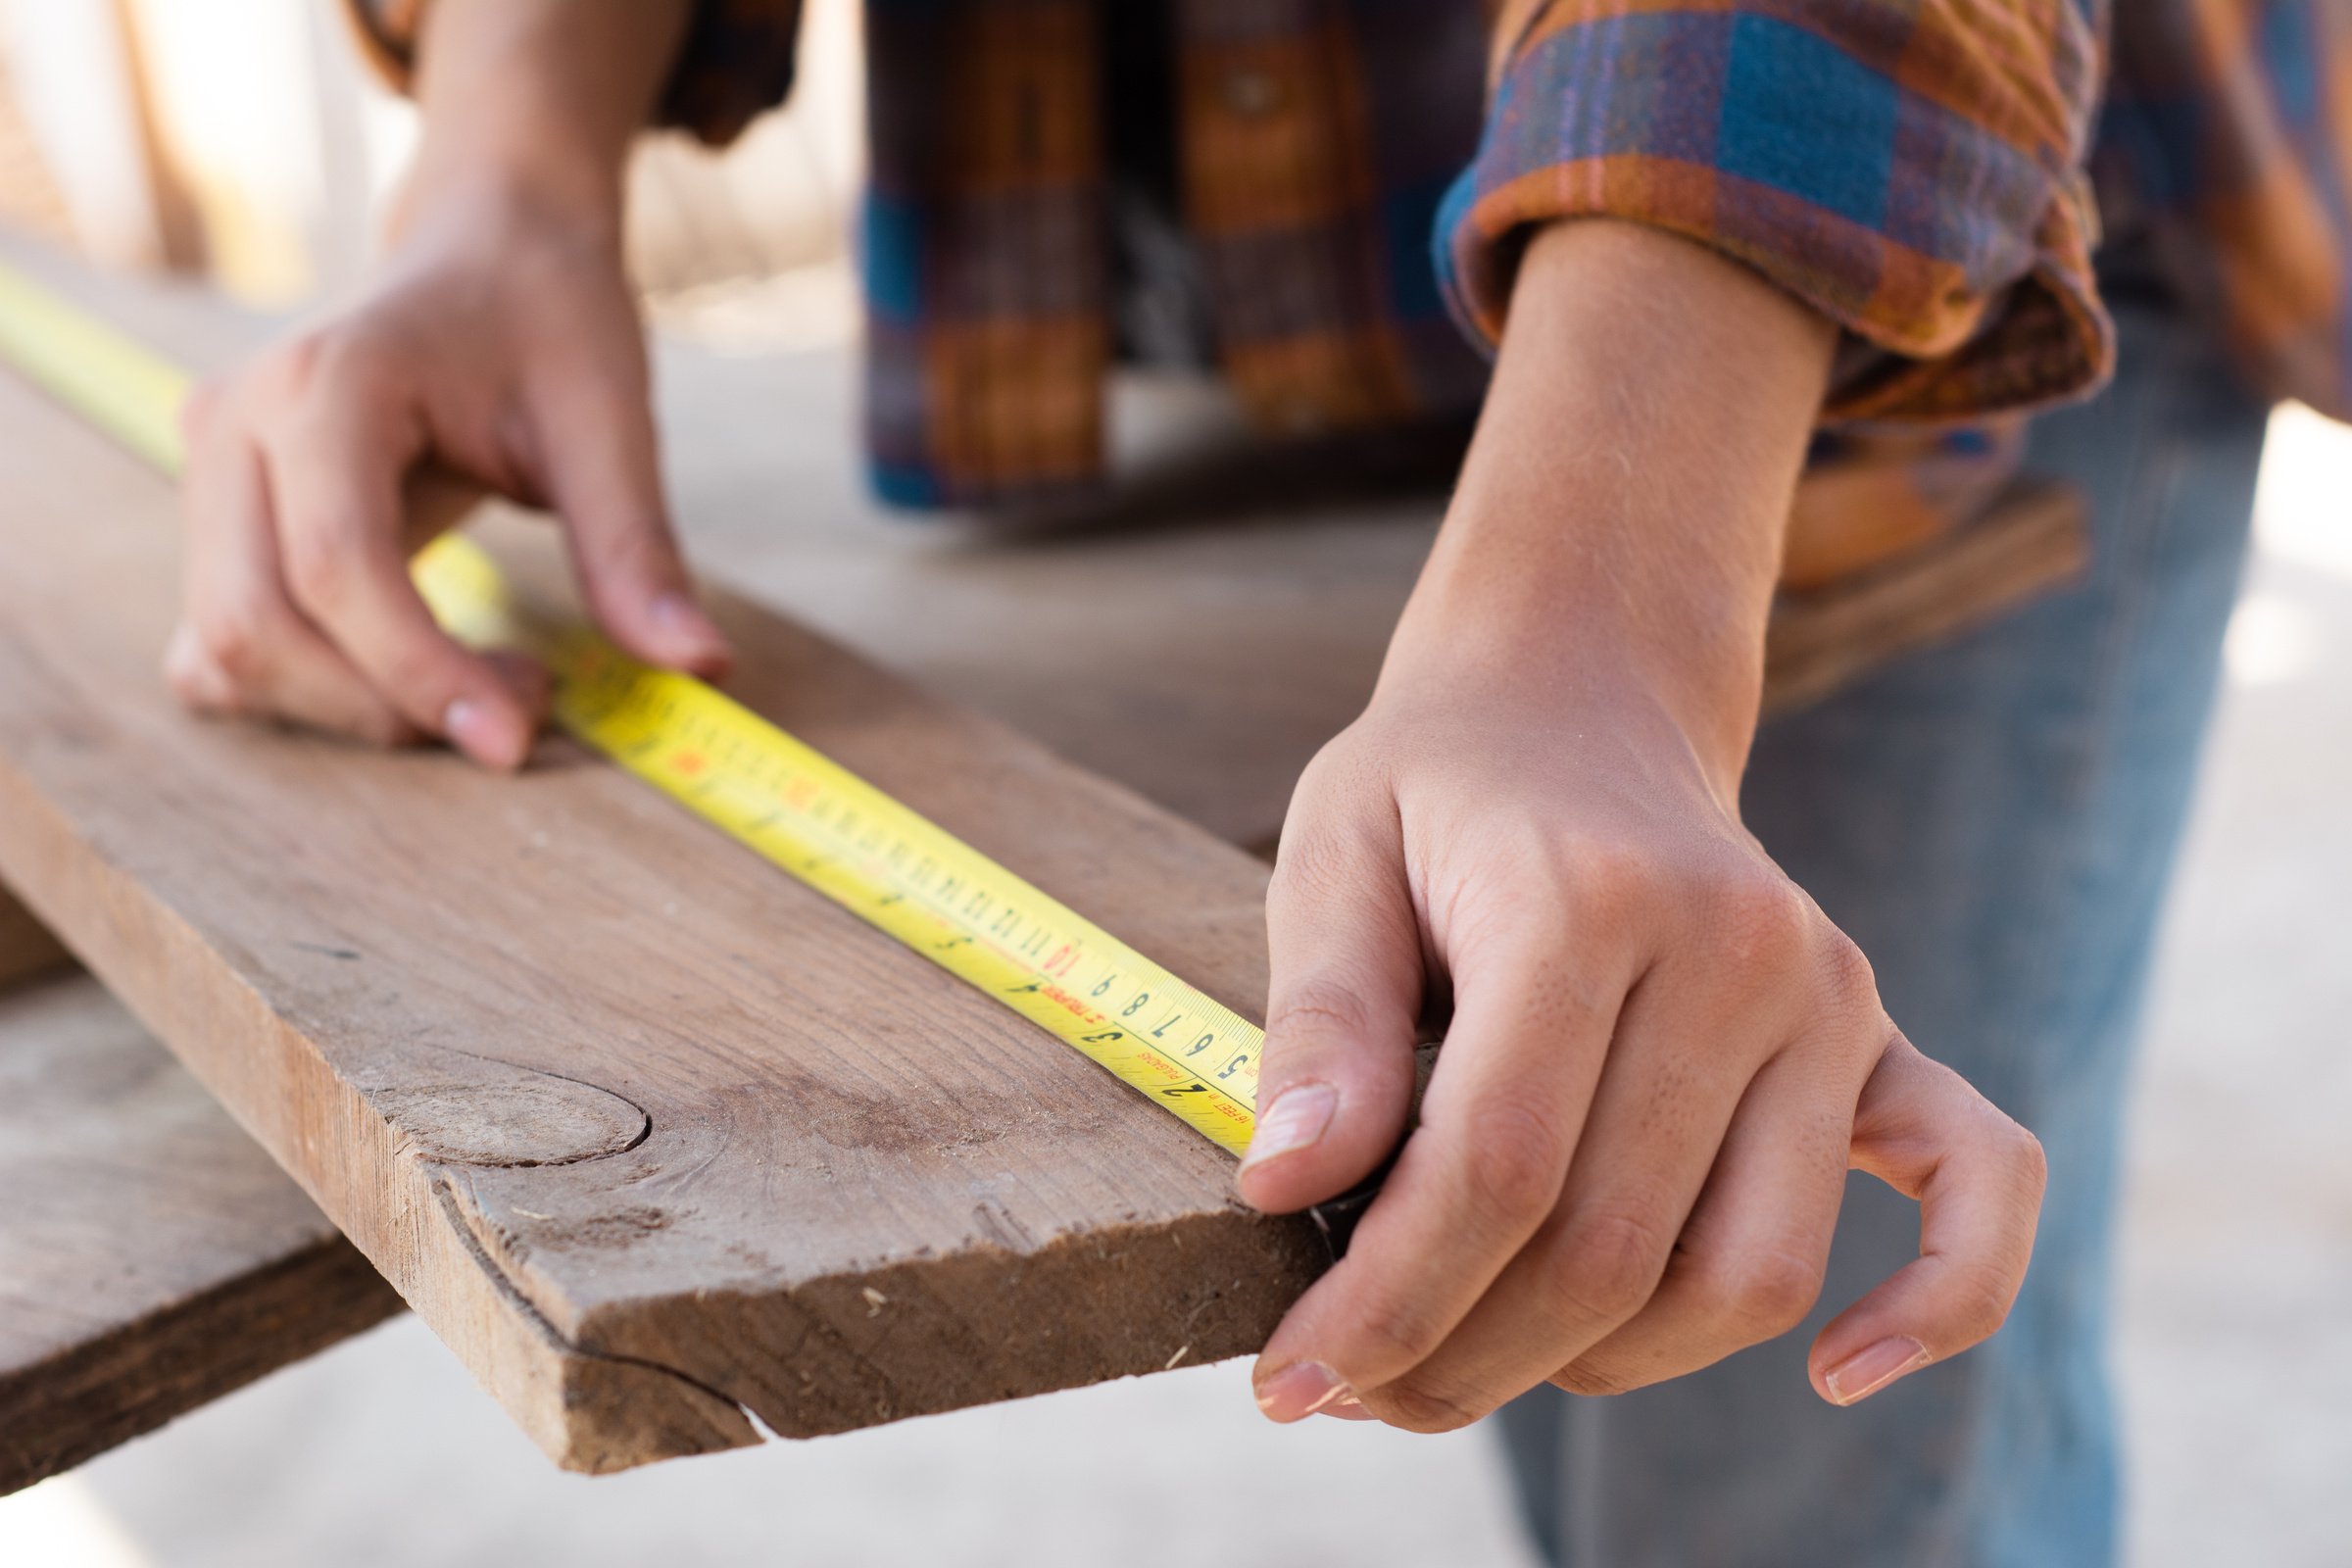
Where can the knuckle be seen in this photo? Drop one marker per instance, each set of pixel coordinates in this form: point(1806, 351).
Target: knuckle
point(1606, 1267)
point(1418, 1408)
point(1313, 868)
point(1848, 976)
point(1516, 1158)
point(291, 366)
point(1762, 1292)
point(1765, 919)
point(310, 381)
point(327, 352)
point(1608, 876)
point(1980, 1305)
point(1398, 1334)
point(1319, 1009)
point(236, 638)
point(644, 551)
point(1597, 1380)
point(319, 562)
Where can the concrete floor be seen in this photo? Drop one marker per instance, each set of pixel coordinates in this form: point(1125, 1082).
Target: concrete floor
point(2235, 1354)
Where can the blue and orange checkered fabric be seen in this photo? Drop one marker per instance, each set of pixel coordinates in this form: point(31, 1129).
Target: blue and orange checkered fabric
point(1358, 175)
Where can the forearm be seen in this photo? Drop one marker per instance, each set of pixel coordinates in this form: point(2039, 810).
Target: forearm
point(1622, 506)
point(536, 102)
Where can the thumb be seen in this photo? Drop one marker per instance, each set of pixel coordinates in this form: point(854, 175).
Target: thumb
point(594, 437)
point(1336, 1074)
point(1978, 1177)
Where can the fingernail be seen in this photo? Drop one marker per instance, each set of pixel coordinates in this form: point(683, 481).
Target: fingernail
point(686, 630)
point(483, 733)
point(1870, 1369)
point(1300, 1390)
point(1297, 1118)
point(1347, 1408)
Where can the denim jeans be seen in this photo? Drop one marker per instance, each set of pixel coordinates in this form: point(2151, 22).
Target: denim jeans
point(1994, 821)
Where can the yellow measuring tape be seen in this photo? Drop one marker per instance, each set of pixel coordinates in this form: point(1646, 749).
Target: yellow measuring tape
point(829, 828)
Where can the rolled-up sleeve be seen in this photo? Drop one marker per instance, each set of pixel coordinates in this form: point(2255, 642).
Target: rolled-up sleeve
point(1911, 169)
point(735, 62)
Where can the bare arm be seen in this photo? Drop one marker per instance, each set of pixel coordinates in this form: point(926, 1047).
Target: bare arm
point(1661, 1058)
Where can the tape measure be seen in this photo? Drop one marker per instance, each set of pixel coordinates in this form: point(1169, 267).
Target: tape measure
point(779, 796)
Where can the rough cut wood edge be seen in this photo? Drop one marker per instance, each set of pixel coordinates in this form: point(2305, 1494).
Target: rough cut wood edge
point(620, 1386)
point(588, 1412)
point(28, 950)
point(583, 1383)
point(107, 1391)
point(2034, 541)
point(621, 1381)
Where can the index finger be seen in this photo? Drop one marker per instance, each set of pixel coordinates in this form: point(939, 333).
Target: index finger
point(1476, 1179)
point(336, 480)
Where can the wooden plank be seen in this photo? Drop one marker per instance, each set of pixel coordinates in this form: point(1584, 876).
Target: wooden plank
point(26, 948)
point(641, 1127)
point(153, 1257)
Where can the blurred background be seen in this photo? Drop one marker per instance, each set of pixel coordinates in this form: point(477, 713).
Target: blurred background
point(242, 142)
point(245, 142)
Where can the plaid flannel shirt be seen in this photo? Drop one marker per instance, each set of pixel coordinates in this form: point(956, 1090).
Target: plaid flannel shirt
point(1354, 172)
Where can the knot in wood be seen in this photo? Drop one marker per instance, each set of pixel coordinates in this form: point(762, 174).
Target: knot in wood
point(531, 1121)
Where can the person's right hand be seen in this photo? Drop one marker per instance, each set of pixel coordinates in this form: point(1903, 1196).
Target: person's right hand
point(497, 344)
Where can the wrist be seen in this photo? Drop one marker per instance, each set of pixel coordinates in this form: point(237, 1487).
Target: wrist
point(531, 107)
point(1566, 648)
point(494, 204)
point(1618, 523)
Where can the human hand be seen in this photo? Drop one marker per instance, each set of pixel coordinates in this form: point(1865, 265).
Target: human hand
point(1660, 1058)
point(499, 343)
point(1661, 1062)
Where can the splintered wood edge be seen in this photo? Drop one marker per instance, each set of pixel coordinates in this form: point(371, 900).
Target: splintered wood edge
point(1126, 1300)
point(2034, 541)
point(587, 1411)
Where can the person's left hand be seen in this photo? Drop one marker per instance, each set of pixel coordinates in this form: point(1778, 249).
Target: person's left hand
point(1662, 1058)
point(1661, 1062)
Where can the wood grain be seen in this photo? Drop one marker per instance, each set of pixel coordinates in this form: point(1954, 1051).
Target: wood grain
point(647, 1132)
point(153, 1257)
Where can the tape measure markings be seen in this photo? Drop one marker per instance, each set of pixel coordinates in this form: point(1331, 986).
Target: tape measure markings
point(763, 787)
